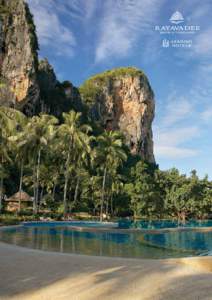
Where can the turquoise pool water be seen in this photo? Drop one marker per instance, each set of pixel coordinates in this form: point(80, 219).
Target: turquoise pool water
point(61, 237)
point(91, 224)
point(161, 224)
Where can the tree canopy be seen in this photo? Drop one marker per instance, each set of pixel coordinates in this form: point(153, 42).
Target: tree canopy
point(68, 166)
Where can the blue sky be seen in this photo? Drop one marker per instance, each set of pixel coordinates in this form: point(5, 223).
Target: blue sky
point(84, 37)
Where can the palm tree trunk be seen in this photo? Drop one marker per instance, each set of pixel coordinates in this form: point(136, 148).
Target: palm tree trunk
point(40, 198)
point(107, 206)
point(65, 194)
point(76, 190)
point(34, 188)
point(103, 194)
point(20, 184)
point(1, 184)
point(66, 184)
point(37, 182)
point(92, 199)
point(111, 204)
point(1, 192)
point(135, 210)
point(53, 192)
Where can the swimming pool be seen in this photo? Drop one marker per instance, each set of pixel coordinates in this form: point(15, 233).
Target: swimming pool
point(61, 237)
point(91, 224)
point(161, 224)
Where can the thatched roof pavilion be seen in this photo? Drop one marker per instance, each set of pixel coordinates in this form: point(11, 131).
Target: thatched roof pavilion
point(18, 201)
point(23, 196)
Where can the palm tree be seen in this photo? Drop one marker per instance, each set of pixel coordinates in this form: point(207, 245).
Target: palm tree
point(4, 157)
point(10, 119)
point(75, 142)
point(111, 154)
point(21, 154)
point(36, 137)
point(116, 188)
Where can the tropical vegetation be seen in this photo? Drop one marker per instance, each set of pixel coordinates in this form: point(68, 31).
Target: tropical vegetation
point(69, 166)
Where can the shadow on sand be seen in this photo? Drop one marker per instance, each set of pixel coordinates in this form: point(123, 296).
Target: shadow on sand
point(26, 274)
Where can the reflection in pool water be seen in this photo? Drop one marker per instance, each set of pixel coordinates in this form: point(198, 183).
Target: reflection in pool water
point(160, 224)
point(134, 244)
point(200, 242)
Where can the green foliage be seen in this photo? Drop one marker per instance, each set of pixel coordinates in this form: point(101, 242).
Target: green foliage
point(48, 202)
point(142, 190)
point(187, 197)
point(4, 10)
point(90, 91)
point(109, 155)
point(6, 220)
point(24, 216)
point(91, 88)
point(55, 98)
point(10, 122)
point(69, 170)
point(2, 85)
point(116, 73)
point(32, 33)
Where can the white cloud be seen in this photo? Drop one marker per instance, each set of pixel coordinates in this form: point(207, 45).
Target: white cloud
point(81, 10)
point(90, 7)
point(206, 68)
point(207, 115)
point(123, 22)
point(199, 10)
point(177, 109)
point(174, 152)
point(51, 31)
point(175, 136)
point(176, 129)
point(170, 142)
point(181, 128)
point(203, 43)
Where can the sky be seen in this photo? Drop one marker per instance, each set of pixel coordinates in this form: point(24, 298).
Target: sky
point(83, 37)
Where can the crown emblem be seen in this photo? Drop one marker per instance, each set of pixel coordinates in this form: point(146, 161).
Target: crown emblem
point(177, 18)
point(165, 43)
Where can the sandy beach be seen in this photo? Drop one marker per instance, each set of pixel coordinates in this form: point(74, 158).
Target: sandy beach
point(27, 274)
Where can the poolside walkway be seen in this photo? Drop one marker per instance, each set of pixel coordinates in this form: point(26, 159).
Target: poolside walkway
point(32, 274)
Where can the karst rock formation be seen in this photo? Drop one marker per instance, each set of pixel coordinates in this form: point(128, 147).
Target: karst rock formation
point(119, 99)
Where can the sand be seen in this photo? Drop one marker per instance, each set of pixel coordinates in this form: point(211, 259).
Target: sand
point(27, 274)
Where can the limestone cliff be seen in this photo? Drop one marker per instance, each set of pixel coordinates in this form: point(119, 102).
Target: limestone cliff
point(122, 99)
point(56, 97)
point(18, 56)
point(25, 83)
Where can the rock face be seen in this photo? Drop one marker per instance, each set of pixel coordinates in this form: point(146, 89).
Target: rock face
point(18, 56)
point(122, 99)
point(25, 83)
point(56, 97)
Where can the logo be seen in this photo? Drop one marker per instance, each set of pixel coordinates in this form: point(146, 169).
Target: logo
point(178, 33)
point(176, 27)
point(165, 43)
point(176, 18)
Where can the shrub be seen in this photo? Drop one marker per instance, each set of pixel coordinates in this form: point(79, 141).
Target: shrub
point(9, 220)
